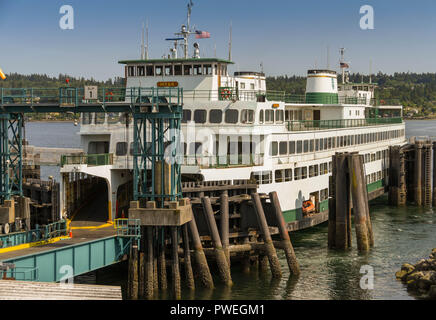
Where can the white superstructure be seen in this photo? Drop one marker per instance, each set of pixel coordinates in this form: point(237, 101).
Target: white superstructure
point(234, 129)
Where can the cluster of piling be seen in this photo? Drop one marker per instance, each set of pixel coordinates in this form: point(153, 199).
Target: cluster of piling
point(412, 174)
point(211, 248)
point(349, 194)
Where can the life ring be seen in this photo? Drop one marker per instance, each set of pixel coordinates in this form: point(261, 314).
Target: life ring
point(225, 94)
point(308, 206)
point(109, 95)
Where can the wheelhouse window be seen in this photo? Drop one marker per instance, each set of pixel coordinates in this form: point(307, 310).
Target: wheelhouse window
point(187, 70)
point(149, 71)
point(169, 70)
point(113, 117)
point(269, 115)
point(131, 71)
point(291, 147)
point(279, 115)
point(215, 116)
point(198, 70)
point(261, 116)
point(178, 70)
point(158, 70)
point(200, 116)
point(279, 176)
point(186, 116)
point(231, 116)
point(207, 69)
point(283, 148)
point(141, 71)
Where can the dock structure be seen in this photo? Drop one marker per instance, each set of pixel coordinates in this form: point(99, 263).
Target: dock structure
point(29, 290)
point(412, 175)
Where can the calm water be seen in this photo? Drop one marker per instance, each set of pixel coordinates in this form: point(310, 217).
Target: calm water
point(401, 235)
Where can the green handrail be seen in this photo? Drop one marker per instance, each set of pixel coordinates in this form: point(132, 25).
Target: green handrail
point(88, 159)
point(309, 125)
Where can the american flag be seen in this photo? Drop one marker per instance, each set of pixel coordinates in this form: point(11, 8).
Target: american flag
point(344, 65)
point(202, 34)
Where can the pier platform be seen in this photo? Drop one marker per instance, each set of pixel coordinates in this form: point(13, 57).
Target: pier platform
point(29, 290)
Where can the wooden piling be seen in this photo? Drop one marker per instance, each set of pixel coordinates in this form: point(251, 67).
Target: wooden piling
point(359, 207)
point(189, 275)
point(427, 159)
point(274, 262)
point(220, 257)
point(341, 195)
point(175, 270)
point(155, 258)
point(161, 261)
point(149, 272)
point(133, 273)
point(200, 259)
point(418, 174)
point(293, 265)
point(434, 174)
point(366, 201)
point(332, 208)
point(224, 223)
point(141, 271)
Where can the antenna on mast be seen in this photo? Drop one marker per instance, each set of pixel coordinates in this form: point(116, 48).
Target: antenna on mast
point(142, 43)
point(146, 35)
point(370, 71)
point(230, 42)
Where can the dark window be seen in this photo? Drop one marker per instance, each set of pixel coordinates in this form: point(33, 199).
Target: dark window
point(283, 148)
point(149, 70)
point(231, 116)
point(178, 70)
point(299, 146)
point(99, 118)
point(121, 148)
point(306, 146)
point(207, 69)
point(215, 116)
point(169, 70)
point(197, 69)
point(200, 116)
point(186, 116)
point(279, 175)
point(291, 147)
point(187, 70)
point(261, 116)
point(86, 118)
point(113, 117)
point(274, 149)
point(141, 71)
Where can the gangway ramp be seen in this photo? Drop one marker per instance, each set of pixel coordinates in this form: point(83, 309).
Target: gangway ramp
point(88, 250)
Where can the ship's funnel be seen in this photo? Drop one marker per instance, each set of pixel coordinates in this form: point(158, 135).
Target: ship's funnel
point(322, 87)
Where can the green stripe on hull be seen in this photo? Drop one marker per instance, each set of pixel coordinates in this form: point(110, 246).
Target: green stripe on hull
point(297, 214)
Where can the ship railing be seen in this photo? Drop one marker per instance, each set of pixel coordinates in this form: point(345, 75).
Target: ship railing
point(310, 125)
point(101, 159)
point(224, 161)
point(12, 272)
point(71, 96)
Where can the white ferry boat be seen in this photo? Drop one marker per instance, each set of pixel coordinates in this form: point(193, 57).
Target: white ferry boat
point(235, 129)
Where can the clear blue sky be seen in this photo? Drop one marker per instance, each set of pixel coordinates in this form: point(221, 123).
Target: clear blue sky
point(287, 36)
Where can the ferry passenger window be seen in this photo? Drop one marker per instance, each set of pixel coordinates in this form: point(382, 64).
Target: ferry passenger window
point(169, 70)
point(131, 148)
point(158, 70)
point(187, 70)
point(149, 71)
point(304, 173)
point(113, 117)
point(250, 116)
point(207, 69)
point(231, 116)
point(266, 177)
point(291, 147)
point(242, 85)
point(288, 175)
point(299, 146)
point(283, 148)
point(186, 116)
point(200, 116)
point(131, 71)
point(273, 149)
point(178, 70)
point(306, 146)
point(197, 69)
point(247, 116)
point(279, 115)
point(252, 86)
point(99, 118)
point(121, 149)
point(215, 116)
point(269, 115)
point(141, 71)
point(317, 145)
point(297, 173)
point(321, 144)
point(261, 116)
point(215, 69)
point(279, 176)
point(311, 145)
